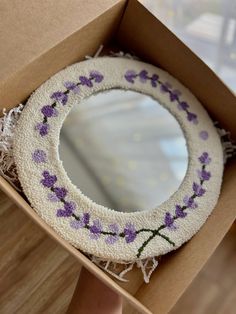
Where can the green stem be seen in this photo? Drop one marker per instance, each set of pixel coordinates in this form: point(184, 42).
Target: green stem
point(145, 243)
point(166, 238)
point(152, 236)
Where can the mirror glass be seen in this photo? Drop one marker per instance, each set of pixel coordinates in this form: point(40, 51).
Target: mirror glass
point(123, 150)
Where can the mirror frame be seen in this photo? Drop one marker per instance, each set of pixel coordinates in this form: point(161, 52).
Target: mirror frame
point(93, 228)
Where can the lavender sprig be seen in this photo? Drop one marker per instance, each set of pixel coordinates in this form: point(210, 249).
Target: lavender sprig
point(129, 232)
point(61, 97)
point(165, 87)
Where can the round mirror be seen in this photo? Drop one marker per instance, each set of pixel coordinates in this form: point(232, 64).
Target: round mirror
point(124, 150)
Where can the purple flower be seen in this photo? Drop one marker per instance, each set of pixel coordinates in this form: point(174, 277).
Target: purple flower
point(97, 76)
point(95, 229)
point(49, 111)
point(192, 117)
point(143, 75)
point(130, 75)
point(39, 156)
point(154, 80)
point(165, 87)
point(203, 175)
point(189, 202)
point(72, 86)
point(76, 224)
point(183, 105)
point(198, 189)
point(43, 128)
point(179, 212)
point(204, 158)
point(169, 221)
point(204, 135)
point(53, 198)
point(111, 239)
point(84, 220)
point(174, 95)
point(48, 180)
point(60, 192)
point(85, 81)
point(129, 232)
point(69, 207)
point(60, 96)
point(64, 213)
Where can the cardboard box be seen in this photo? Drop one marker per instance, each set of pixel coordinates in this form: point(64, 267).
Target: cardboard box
point(39, 38)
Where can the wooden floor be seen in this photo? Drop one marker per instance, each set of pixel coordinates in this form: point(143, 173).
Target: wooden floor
point(38, 276)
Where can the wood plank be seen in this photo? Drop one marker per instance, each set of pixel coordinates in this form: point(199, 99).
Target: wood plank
point(36, 274)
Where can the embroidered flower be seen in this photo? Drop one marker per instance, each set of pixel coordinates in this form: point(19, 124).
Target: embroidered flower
point(82, 222)
point(189, 202)
point(86, 218)
point(69, 207)
point(192, 117)
point(97, 76)
point(43, 128)
point(179, 212)
point(111, 239)
point(169, 221)
point(198, 189)
point(130, 75)
point(39, 156)
point(64, 213)
point(48, 180)
point(204, 175)
point(72, 86)
point(204, 158)
point(183, 105)
point(143, 75)
point(154, 80)
point(174, 95)
point(53, 198)
point(60, 192)
point(60, 96)
point(48, 111)
point(203, 135)
point(95, 229)
point(129, 232)
point(165, 87)
point(84, 81)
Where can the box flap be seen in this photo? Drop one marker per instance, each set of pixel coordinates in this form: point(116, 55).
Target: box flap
point(29, 30)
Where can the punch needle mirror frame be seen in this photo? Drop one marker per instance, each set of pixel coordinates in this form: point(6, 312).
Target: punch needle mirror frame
point(93, 228)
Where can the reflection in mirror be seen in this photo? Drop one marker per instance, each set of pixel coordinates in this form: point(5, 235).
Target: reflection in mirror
point(123, 150)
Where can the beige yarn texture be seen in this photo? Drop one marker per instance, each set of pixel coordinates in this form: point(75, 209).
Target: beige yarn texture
point(28, 140)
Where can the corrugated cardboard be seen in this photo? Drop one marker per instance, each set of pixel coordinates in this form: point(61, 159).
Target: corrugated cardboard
point(38, 38)
point(52, 34)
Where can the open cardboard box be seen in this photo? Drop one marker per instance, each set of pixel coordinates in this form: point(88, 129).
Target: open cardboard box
point(39, 38)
